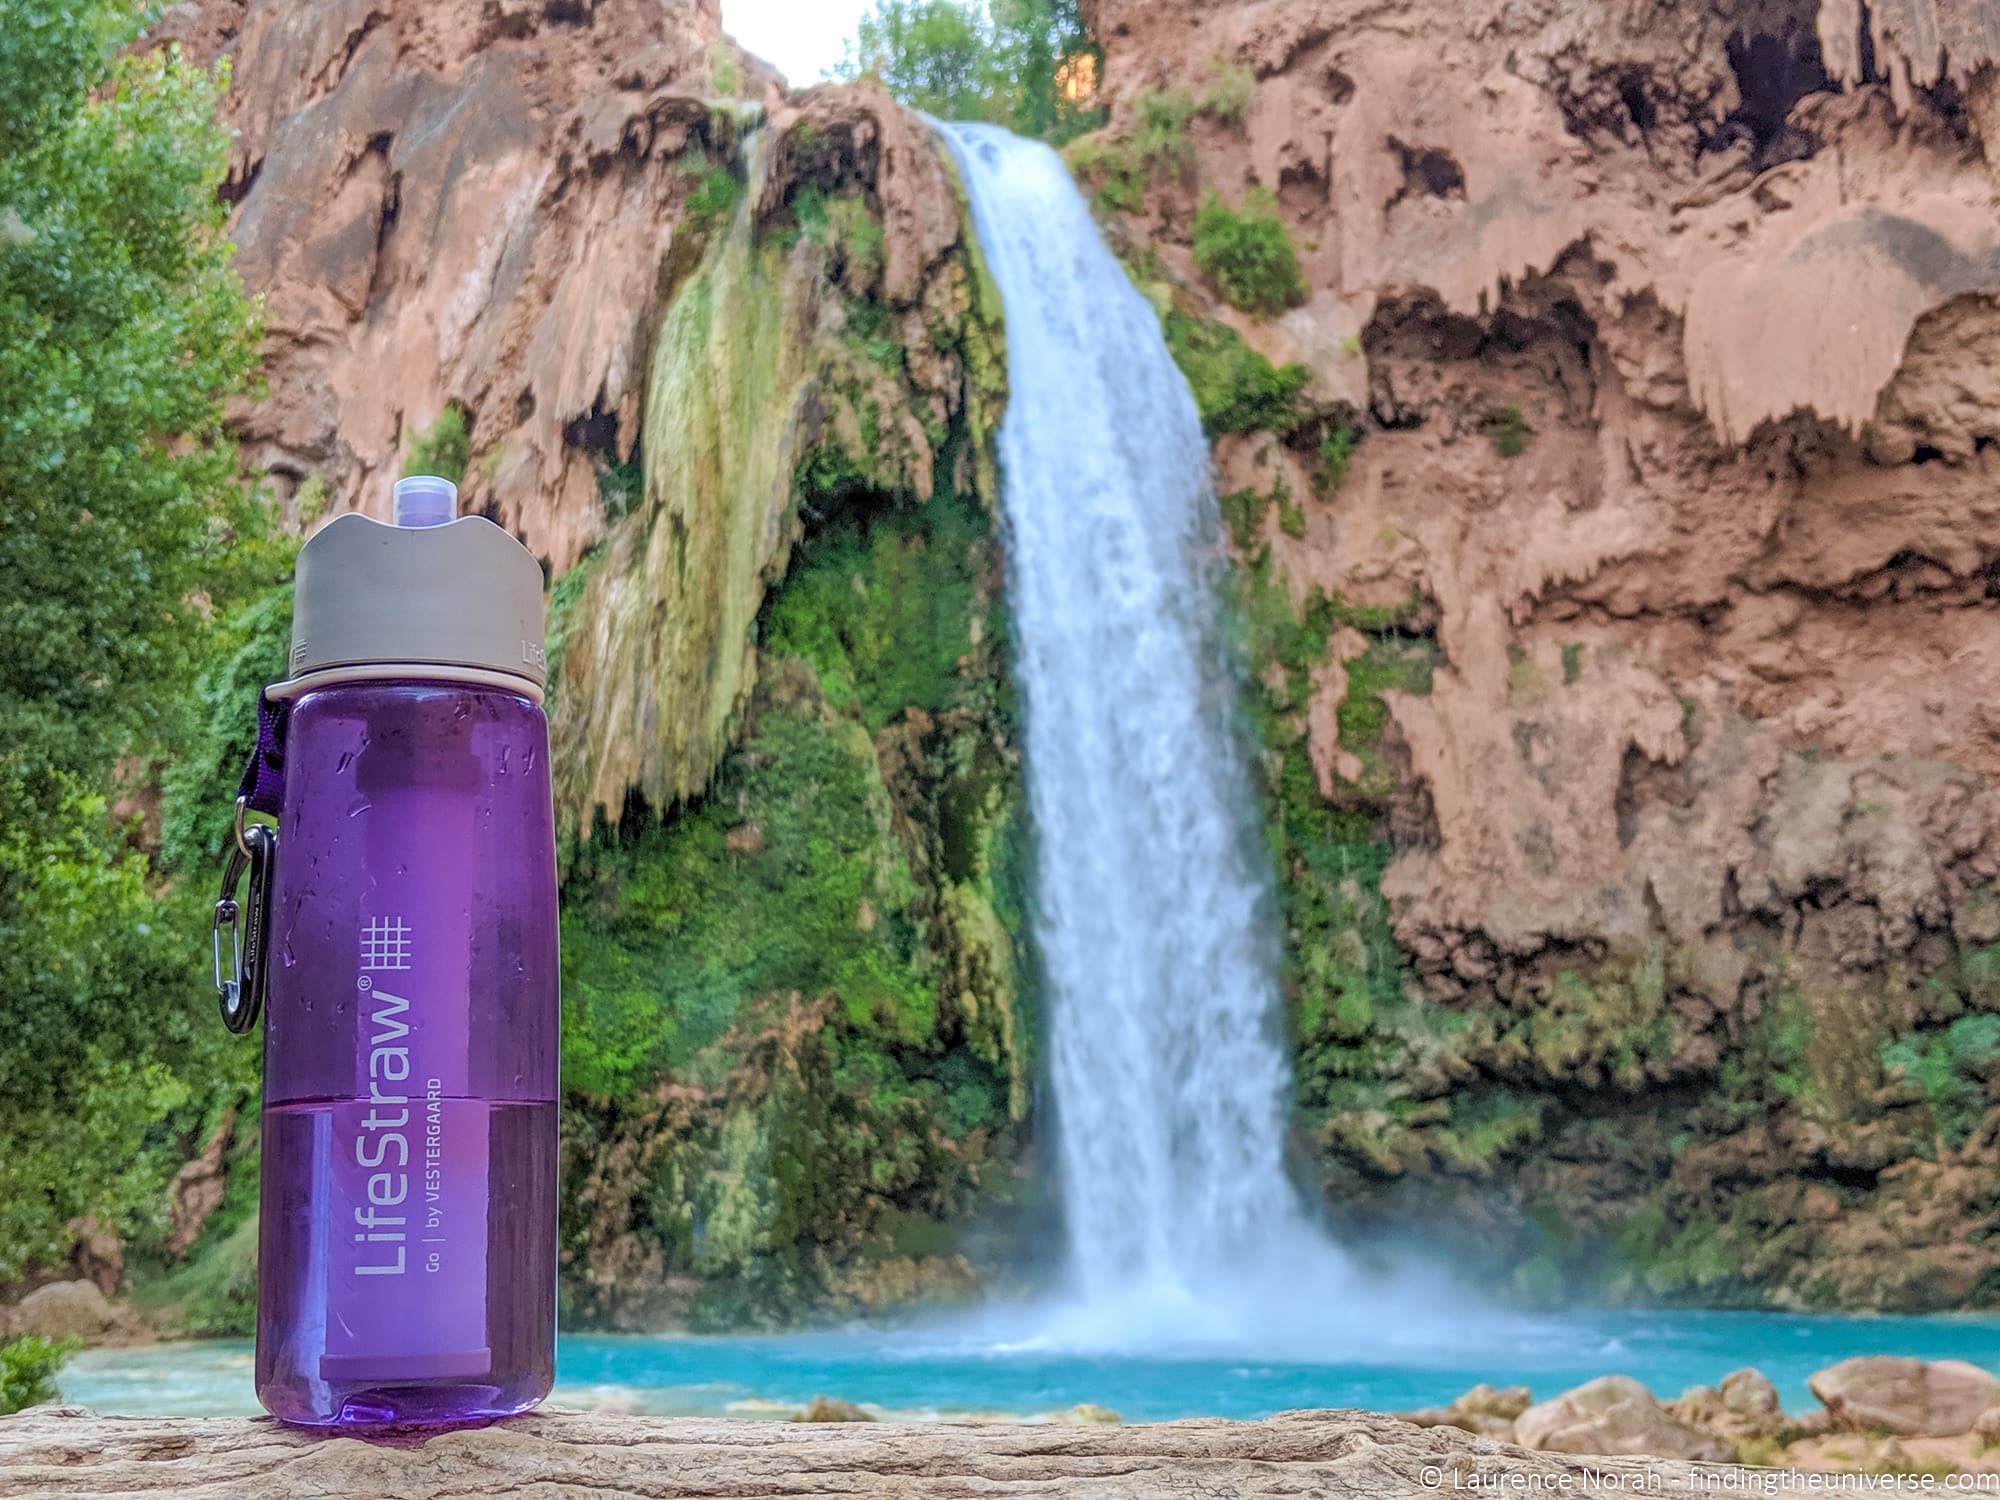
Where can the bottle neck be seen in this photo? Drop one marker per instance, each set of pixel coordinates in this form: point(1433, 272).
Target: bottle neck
point(389, 671)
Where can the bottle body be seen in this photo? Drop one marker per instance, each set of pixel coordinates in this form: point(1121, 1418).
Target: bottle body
point(407, 1255)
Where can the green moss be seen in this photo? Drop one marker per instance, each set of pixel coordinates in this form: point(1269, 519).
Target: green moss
point(1390, 664)
point(1572, 663)
point(1248, 254)
point(1235, 388)
point(787, 878)
point(886, 613)
point(443, 448)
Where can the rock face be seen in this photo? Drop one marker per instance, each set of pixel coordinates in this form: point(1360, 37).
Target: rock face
point(1638, 514)
point(54, 1452)
point(72, 1309)
point(464, 205)
point(1615, 1414)
point(1907, 1397)
point(1623, 583)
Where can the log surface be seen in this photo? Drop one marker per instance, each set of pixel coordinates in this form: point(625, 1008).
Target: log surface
point(60, 1451)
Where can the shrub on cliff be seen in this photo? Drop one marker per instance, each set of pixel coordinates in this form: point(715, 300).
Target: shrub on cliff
point(122, 330)
point(1248, 255)
point(1235, 388)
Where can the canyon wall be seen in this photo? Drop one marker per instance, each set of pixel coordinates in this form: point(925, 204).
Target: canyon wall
point(1614, 499)
point(1623, 586)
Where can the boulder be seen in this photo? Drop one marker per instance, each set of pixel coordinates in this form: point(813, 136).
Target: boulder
point(1906, 1397)
point(1746, 1406)
point(832, 1409)
point(1481, 1410)
point(71, 1308)
point(1749, 1394)
point(1615, 1414)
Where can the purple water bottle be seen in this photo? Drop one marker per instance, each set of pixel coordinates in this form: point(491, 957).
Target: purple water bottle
point(407, 1235)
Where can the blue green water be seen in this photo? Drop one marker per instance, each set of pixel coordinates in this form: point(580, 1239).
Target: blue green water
point(946, 1371)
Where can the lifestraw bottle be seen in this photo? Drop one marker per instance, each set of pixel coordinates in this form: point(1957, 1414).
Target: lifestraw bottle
point(407, 1236)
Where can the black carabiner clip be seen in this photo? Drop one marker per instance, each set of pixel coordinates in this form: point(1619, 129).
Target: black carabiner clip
point(241, 994)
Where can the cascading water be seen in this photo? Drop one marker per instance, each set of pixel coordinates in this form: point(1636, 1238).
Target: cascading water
point(1154, 917)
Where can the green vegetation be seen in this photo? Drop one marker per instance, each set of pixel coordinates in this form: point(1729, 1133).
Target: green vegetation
point(28, 1369)
point(1336, 452)
point(122, 332)
point(1027, 64)
point(838, 903)
point(1248, 254)
point(444, 448)
point(715, 196)
point(1227, 96)
point(1235, 388)
point(725, 74)
point(1510, 431)
point(1949, 1069)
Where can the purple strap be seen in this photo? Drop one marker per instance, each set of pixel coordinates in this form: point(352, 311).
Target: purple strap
point(263, 786)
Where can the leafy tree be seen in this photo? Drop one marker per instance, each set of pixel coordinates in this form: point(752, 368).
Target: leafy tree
point(1000, 61)
point(124, 529)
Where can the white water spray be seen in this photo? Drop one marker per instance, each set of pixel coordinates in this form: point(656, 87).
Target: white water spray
point(1154, 918)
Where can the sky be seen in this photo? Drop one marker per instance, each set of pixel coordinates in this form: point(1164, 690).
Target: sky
point(802, 39)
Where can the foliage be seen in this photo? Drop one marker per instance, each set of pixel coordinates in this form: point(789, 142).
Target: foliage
point(1248, 254)
point(725, 73)
point(122, 331)
point(1003, 61)
point(1336, 452)
point(198, 788)
point(444, 448)
point(1121, 167)
point(1949, 1069)
point(1511, 431)
point(1235, 388)
point(1227, 96)
point(714, 197)
point(28, 1369)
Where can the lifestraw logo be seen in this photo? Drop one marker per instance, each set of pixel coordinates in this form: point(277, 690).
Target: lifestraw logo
point(381, 1224)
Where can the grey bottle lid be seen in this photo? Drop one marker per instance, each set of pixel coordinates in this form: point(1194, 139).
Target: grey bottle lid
point(432, 592)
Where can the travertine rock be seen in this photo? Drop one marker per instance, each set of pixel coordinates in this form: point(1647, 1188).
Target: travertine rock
point(1907, 1397)
point(1615, 1414)
point(55, 1452)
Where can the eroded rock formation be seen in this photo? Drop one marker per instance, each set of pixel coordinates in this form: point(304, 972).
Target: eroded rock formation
point(1642, 494)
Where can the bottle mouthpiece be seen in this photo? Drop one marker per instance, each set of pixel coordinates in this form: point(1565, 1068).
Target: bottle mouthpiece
point(425, 500)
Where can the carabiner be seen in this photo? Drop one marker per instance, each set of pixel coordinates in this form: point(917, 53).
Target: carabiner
point(241, 994)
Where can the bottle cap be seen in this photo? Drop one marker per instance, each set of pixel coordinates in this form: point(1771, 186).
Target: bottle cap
point(424, 595)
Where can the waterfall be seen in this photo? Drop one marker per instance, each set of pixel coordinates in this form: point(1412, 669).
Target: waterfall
point(1155, 919)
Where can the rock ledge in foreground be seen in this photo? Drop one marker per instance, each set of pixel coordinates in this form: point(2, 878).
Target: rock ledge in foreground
point(58, 1451)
